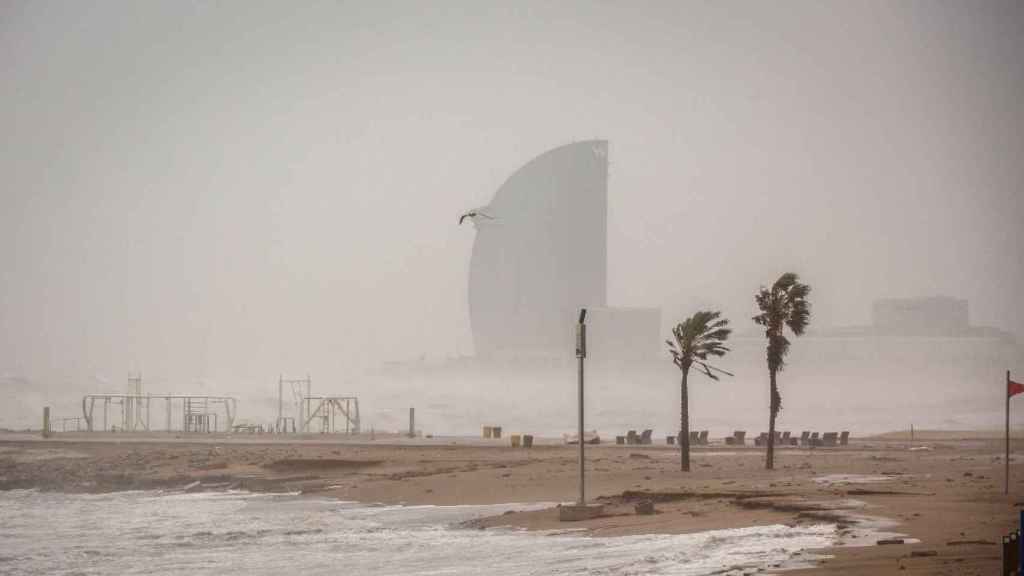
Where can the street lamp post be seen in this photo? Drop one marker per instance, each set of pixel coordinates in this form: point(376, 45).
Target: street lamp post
point(581, 354)
point(580, 510)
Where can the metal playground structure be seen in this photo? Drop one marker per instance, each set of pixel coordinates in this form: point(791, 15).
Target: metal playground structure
point(331, 413)
point(327, 409)
point(198, 413)
point(136, 411)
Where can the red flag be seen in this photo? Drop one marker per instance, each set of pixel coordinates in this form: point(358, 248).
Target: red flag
point(1013, 388)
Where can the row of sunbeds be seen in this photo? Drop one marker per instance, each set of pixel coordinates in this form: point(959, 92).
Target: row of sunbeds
point(807, 438)
point(739, 438)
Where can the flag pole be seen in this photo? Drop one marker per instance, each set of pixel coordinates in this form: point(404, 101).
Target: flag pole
point(1006, 483)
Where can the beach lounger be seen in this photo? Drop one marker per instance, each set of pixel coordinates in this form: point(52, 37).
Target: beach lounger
point(737, 438)
point(590, 437)
point(844, 438)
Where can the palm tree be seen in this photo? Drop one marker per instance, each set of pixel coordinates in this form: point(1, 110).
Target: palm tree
point(699, 336)
point(784, 304)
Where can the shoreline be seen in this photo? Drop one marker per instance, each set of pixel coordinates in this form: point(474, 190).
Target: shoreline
point(946, 496)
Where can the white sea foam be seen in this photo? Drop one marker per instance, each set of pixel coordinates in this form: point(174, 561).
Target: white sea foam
point(242, 533)
point(855, 478)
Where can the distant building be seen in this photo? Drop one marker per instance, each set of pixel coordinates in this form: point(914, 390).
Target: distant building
point(933, 316)
point(541, 253)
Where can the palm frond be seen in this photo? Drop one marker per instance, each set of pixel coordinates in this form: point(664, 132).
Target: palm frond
point(785, 304)
point(701, 335)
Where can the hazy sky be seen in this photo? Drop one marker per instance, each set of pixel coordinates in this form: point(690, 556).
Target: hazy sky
point(227, 191)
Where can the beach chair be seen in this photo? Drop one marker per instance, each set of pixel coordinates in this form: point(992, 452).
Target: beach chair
point(694, 437)
point(805, 438)
point(620, 439)
point(761, 440)
point(631, 437)
point(830, 439)
point(784, 439)
point(814, 440)
point(844, 438)
point(703, 438)
point(670, 440)
point(738, 438)
point(645, 438)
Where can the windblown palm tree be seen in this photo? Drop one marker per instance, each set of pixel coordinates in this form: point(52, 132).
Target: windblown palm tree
point(699, 336)
point(784, 304)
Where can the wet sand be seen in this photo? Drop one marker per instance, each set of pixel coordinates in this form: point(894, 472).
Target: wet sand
point(945, 490)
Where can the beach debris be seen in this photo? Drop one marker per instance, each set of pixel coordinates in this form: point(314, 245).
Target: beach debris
point(577, 512)
point(644, 508)
point(885, 541)
point(923, 553)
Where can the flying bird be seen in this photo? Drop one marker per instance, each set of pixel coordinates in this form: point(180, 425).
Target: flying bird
point(474, 214)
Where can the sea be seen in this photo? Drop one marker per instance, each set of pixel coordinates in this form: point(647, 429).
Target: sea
point(235, 532)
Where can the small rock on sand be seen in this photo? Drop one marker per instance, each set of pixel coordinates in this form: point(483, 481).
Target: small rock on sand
point(645, 508)
point(923, 553)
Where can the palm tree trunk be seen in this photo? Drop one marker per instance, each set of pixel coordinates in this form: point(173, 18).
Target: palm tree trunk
point(684, 425)
point(770, 460)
